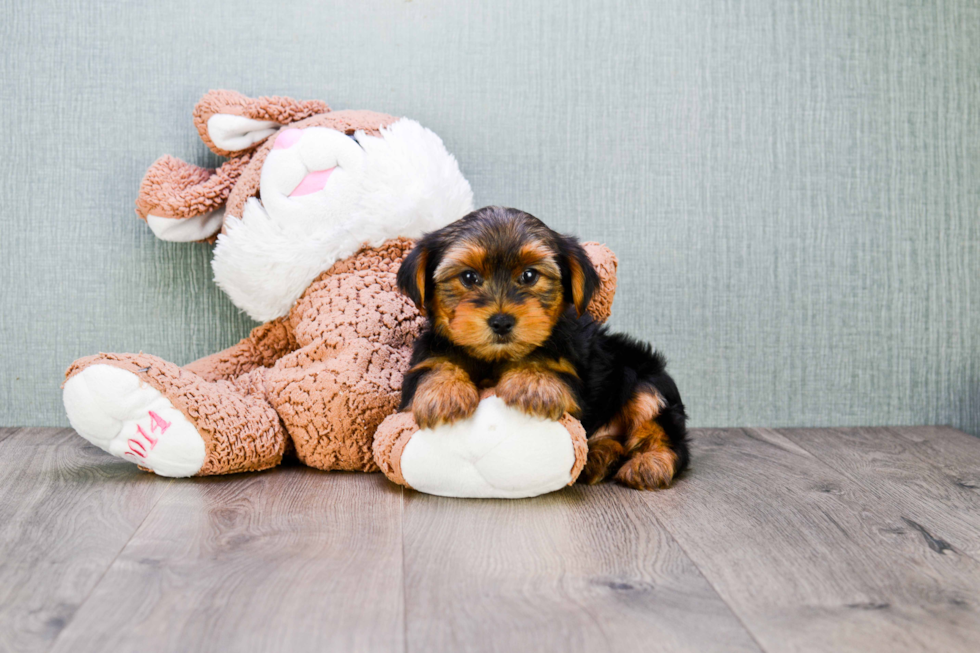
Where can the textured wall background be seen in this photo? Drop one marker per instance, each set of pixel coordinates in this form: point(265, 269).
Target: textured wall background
point(792, 187)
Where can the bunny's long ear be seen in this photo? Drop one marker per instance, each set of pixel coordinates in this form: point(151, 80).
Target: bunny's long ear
point(230, 123)
point(182, 202)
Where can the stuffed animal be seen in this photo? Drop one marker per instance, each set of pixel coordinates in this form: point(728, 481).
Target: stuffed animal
point(312, 214)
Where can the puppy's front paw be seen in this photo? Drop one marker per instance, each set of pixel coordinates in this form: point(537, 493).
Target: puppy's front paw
point(444, 397)
point(537, 393)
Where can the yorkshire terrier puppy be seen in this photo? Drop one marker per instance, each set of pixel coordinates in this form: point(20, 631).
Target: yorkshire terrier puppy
point(505, 299)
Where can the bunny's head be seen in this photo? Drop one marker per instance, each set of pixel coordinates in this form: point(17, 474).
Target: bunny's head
point(304, 187)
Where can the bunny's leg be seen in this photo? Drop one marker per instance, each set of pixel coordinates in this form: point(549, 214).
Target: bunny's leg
point(261, 348)
point(331, 405)
point(171, 421)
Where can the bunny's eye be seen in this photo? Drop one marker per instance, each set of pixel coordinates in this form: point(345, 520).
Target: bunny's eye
point(470, 279)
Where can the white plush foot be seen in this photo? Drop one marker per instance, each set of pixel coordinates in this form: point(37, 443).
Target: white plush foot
point(115, 411)
point(499, 452)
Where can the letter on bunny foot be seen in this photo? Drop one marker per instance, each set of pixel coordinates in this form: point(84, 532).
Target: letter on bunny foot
point(115, 411)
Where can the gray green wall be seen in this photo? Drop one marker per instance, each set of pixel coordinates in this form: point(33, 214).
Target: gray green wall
point(792, 187)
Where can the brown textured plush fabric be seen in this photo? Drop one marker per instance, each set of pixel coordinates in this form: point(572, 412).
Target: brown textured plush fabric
point(262, 348)
point(389, 444)
point(282, 110)
point(172, 188)
point(606, 263)
point(580, 444)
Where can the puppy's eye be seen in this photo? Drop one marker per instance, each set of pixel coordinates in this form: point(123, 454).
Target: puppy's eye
point(470, 279)
point(529, 276)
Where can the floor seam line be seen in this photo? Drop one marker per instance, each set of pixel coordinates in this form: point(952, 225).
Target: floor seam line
point(717, 592)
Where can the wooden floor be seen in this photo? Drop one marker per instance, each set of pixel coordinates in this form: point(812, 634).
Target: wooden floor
point(776, 540)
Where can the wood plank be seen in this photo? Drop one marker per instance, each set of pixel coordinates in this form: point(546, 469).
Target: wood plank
point(810, 560)
point(66, 510)
point(930, 474)
point(585, 569)
point(292, 559)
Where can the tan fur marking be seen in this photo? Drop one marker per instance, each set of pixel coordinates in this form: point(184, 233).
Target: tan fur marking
point(652, 463)
point(420, 280)
point(464, 256)
point(644, 437)
point(444, 395)
point(429, 363)
point(540, 256)
point(649, 471)
point(642, 407)
point(468, 326)
point(441, 315)
point(562, 365)
point(534, 388)
point(578, 285)
point(605, 450)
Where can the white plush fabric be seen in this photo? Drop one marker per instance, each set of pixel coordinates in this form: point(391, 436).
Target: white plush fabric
point(115, 411)
point(499, 453)
point(186, 230)
point(234, 133)
point(404, 183)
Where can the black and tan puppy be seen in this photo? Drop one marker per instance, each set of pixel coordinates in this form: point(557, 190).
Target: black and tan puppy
point(505, 298)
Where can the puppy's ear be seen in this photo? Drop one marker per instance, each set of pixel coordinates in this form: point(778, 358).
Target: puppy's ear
point(412, 274)
point(578, 276)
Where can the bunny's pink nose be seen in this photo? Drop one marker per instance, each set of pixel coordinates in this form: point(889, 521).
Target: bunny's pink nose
point(287, 138)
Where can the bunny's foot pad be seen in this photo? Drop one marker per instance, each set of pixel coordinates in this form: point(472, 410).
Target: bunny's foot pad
point(117, 412)
point(499, 452)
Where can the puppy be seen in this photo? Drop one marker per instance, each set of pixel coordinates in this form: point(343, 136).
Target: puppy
point(505, 300)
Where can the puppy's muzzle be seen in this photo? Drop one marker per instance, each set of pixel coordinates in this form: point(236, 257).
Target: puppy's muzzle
point(501, 324)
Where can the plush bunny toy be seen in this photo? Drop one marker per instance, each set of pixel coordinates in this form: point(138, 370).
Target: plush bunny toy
point(312, 215)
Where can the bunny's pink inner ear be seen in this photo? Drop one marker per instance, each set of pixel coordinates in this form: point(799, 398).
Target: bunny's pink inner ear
point(235, 133)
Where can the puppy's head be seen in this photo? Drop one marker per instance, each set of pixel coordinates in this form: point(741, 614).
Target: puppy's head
point(496, 281)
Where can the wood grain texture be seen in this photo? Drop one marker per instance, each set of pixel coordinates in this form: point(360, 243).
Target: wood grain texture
point(293, 559)
point(931, 474)
point(585, 569)
point(66, 511)
point(8, 432)
point(801, 540)
point(810, 560)
point(956, 452)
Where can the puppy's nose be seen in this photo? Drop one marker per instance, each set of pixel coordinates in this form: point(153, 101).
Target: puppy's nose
point(501, 323)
